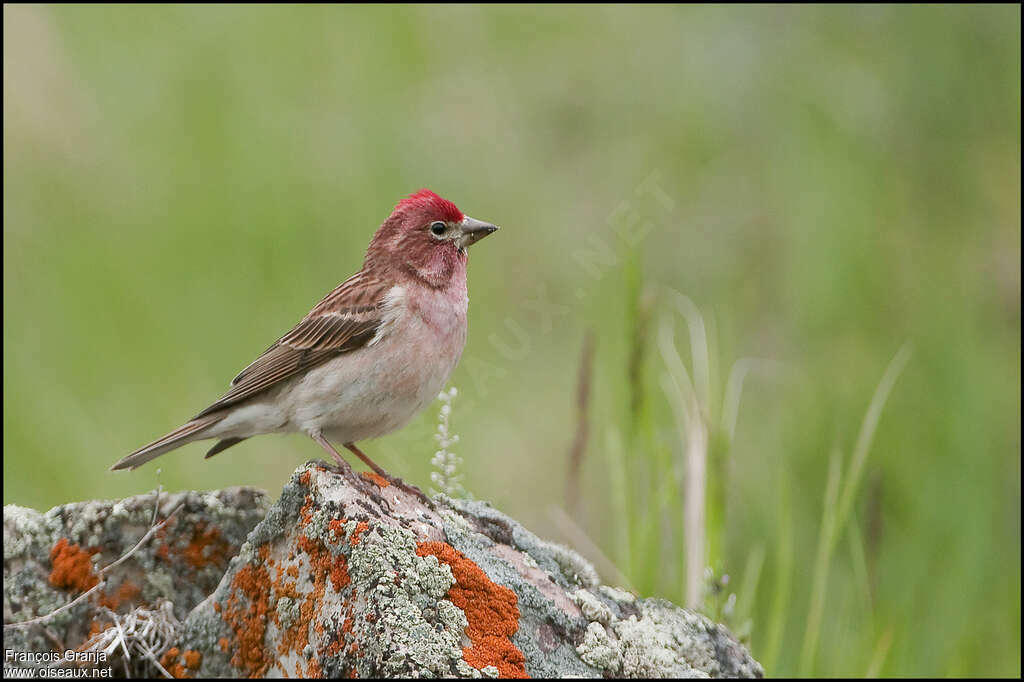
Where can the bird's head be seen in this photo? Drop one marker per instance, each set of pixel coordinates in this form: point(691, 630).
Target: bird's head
point(426, 237)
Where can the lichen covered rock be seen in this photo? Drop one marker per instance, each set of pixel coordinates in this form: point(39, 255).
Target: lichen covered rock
point(349, 576)
point(53, 557)
point(344, 576)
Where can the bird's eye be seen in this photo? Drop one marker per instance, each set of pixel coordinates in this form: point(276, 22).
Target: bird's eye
point(438, 228)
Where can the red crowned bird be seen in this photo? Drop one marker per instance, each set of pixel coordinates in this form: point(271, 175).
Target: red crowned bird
point(368, 357)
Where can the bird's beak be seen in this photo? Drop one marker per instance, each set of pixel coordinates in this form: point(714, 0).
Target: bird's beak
point(472, 230)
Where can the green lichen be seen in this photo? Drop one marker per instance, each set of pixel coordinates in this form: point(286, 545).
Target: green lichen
point(593, 608)
point(598, 649)
point(318, 529)
point(661, 641)
point(202, 631)
point(25, 532)
point(617, 594)
point(575, 568)
point(160, 584)
point(448, 515)
point(287, 612)
point(648, 649)
point(416, 631)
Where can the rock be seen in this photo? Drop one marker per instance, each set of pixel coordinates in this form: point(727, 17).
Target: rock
point(347, 575)
point(51, 558)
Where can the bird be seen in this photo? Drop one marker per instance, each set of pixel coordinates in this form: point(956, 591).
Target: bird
point(368, 357)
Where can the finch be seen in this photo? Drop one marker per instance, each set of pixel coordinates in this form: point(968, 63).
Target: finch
point(368, 357)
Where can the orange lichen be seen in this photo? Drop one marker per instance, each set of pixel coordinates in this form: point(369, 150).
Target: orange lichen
point(339, 573)
point(337, 527)
point(324, 566)
point(249, 623)
point(491, 610)
point(324, 563)
point(170, 663)
point(169, 658)
point(127, 591)
point(296, 636)
point(306, 513)
point(376, 478)
point(304, 478)
point(206, 547)
point(164, 550)
point(334, 648)
point(193, 659)
point(310, 548)
point(254, 588)
point(349, 621)
point(361, 528)
point(95, 628)
point(72, 567)
point(343, 640)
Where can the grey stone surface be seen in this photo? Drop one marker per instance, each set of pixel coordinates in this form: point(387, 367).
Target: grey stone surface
point(50, 558)
point(348, 576)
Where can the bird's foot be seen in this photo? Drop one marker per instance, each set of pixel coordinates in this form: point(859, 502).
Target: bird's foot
point(339, 467)
point(324, 464)
point(397, 482)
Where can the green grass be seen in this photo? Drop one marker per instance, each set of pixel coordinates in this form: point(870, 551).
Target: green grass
point(825, 184)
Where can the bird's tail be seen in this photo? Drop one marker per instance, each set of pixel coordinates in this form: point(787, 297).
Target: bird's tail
point(186, 433)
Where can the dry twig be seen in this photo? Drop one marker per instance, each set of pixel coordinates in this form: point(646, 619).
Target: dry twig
point(579, 442)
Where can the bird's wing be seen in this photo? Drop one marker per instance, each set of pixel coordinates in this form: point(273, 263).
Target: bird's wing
point(346, 319)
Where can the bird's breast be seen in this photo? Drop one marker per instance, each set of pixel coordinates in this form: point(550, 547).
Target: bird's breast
point(378, 388)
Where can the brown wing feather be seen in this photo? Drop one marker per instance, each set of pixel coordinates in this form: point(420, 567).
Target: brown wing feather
point(346, 319)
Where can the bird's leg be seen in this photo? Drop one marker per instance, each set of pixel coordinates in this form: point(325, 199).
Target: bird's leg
point(369, 462)
point(343, 466)
point(385, 475)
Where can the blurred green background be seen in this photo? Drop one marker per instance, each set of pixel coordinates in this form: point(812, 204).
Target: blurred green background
point(826, 184)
